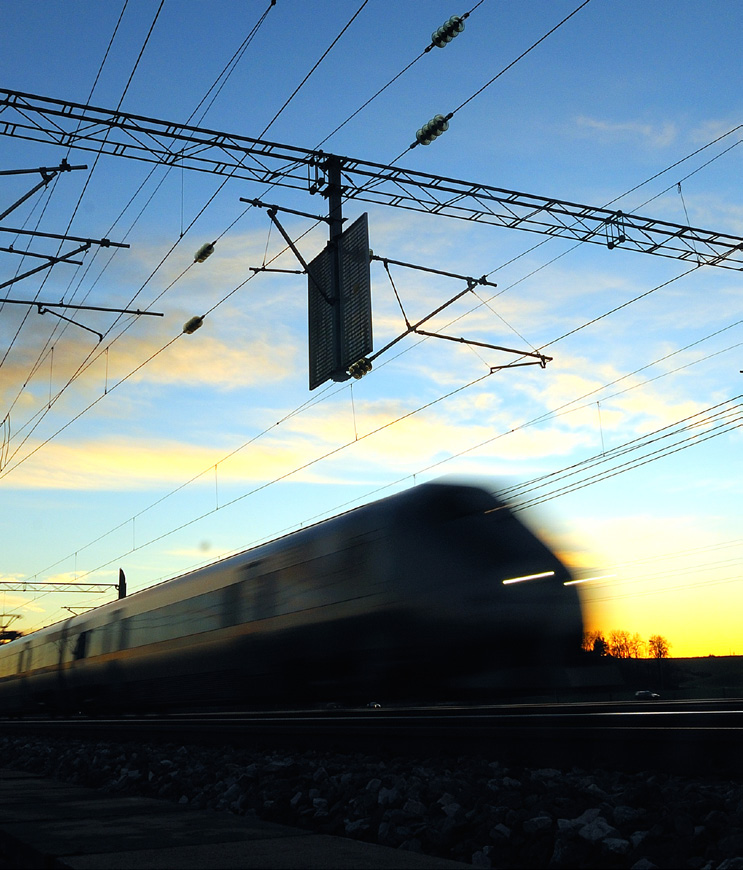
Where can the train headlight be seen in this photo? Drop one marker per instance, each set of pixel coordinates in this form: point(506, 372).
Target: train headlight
point(529, 577)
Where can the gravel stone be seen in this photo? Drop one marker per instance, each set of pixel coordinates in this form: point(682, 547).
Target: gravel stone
point(474, 810)
point(537, 824)
point(597, 830)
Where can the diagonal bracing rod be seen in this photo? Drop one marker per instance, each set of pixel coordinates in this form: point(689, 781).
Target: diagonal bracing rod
point(47, 174)
point(52, 261)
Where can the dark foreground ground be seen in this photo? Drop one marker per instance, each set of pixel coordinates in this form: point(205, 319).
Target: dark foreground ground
point(469, 809)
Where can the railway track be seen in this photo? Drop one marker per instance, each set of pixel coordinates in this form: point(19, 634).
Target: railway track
point(525, 785)
point(683, 737)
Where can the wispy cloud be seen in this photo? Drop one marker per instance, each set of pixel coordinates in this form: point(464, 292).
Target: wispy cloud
point(659, 135)
point(148, 463)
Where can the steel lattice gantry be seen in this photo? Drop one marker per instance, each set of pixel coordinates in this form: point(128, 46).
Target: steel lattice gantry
point(87, 128)
point(46, 586)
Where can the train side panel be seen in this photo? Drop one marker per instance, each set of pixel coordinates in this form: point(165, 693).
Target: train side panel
point(402, 597)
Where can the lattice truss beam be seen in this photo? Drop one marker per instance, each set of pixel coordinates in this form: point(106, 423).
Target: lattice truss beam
point(39, 586)
point(58, 122)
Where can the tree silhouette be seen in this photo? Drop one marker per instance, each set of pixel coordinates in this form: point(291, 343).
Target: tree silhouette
point(594, 642)
point(620, 644)
point(659, 647)
point(637, 646)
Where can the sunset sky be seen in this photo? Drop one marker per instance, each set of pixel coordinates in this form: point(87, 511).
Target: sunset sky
point(156, 451)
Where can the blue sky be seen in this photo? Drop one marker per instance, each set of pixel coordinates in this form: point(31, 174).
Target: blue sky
point(148, 479)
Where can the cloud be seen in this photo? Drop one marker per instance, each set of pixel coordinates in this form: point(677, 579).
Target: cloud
point(715, 128)
point(652, 135)
point(17, 602)
point(208, 361)
point(228, 353)
point(118, 464)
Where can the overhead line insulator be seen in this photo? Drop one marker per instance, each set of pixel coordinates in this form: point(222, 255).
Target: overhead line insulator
point(205, 251)
point(448, 30)
point(432, 129)
point(191, 325)
point(360, 368)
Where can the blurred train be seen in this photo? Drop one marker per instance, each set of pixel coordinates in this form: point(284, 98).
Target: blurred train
point(406, 598)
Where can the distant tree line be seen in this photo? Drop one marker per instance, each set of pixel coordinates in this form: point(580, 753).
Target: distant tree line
point(623, 645)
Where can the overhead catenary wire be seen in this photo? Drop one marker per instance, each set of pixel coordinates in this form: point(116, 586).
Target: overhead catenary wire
point(381, 90)
point(209, 201)
point(512, 285)
point(446, 118)
point(121, 100)
point(520, 57)
point(604, 583)
point(642, 295)
point(82, 366)
point(60, 328)
point(316, 400)
point(719, 414)
point(312, 70)
point(229, 68)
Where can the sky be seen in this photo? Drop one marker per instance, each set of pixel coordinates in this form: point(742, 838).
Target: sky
point(156, 451)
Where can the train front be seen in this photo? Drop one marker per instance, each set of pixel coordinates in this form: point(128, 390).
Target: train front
point(491, 605)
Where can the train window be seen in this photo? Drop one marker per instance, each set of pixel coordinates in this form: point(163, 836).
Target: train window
point(46, 654)
point(124, 632)
point(264, 600)
point(232, 605)
point(108, 636)
point(98, 641)
point(191, 616)
point(24, 659)
point(6, 662)
point(81, 645)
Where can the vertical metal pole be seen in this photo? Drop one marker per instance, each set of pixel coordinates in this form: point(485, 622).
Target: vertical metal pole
point(334, 193)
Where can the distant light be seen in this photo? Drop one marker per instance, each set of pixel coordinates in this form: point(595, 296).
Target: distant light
point(204, 251)
point(586, 579)
point(529, 577)
point(190, 326)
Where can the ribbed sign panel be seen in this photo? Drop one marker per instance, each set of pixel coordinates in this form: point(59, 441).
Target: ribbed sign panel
point(333, 348)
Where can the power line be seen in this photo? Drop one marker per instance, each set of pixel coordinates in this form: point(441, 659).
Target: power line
point(638, 297)
point(334, 451)
point(229, 67)
point(450, 115)
point(522, 55)
point(390, 82)
point(556, 412)
point(84, 363)
point(85, 186)
point(317, 64)
point(307, 403)
point(721, 423)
